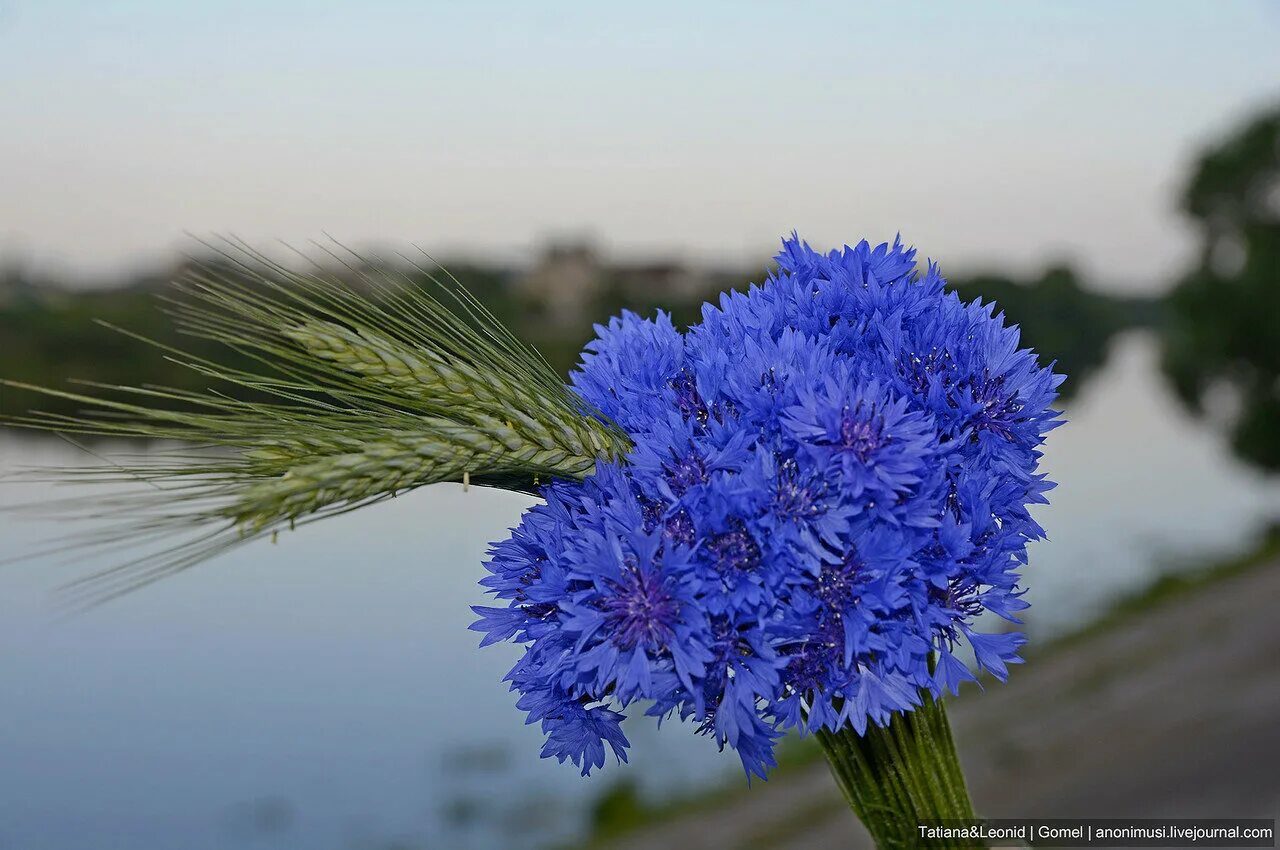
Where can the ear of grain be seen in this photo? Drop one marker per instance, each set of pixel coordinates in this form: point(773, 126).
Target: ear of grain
point(371, 382)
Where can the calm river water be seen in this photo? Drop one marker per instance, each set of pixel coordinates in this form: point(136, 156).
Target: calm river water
point(325, 693)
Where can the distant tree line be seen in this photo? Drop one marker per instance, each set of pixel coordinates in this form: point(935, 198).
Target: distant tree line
point(51, 336)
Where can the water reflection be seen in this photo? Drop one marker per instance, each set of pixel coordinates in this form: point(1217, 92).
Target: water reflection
point(325, 693)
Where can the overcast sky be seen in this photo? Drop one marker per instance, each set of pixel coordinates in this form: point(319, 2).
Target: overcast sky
point(988, 134)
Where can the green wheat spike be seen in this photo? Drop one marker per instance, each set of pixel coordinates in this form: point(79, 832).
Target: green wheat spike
point(357, 393)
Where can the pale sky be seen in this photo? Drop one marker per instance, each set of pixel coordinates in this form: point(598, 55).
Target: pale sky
point(988, 134)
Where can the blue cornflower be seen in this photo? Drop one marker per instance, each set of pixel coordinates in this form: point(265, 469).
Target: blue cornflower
point(829, 484)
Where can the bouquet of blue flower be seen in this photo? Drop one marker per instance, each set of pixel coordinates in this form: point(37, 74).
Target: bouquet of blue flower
point(790, 516)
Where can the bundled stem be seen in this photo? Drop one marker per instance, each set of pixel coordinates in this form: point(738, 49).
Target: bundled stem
point(898, 776)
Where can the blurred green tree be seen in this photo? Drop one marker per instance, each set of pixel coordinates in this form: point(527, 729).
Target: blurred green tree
point(1222, 334)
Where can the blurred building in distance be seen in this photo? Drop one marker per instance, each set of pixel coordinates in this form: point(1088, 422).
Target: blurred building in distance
point(571, 278)
point(564, 280)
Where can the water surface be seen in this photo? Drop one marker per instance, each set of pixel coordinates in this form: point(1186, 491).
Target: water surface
point(325, 693)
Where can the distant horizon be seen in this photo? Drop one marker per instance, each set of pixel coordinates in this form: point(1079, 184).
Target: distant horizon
point(73, 279)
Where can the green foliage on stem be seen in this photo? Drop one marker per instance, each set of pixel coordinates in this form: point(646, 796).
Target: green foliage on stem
point(897, 776)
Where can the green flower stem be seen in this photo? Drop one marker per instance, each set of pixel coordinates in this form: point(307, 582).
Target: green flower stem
point(897, 776)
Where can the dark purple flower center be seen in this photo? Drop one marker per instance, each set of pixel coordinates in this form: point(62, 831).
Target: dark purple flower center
point(859, 435)
point(688, 400)
point(810, 663)
point(685, 472)
point(651, 512)
point(642, 611)
point(998, 410)
point(921, 372)
point(837, 585)
point(679, 529)
point(807, 668)
point(796, 499)
point(735, 550)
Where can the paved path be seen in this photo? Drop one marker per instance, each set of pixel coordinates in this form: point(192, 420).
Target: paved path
point(1174, 714)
